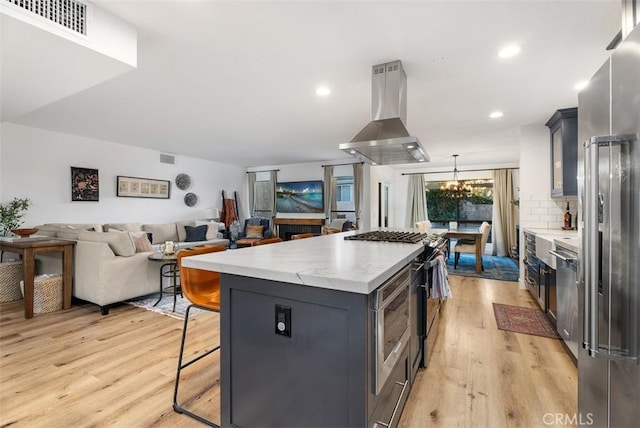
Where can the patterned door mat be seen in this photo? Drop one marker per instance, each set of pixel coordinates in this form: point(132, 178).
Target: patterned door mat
point(524, 320)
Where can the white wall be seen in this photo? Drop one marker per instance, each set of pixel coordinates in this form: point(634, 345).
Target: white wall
point(386, 176)
point(537, 208)
point(35, 163)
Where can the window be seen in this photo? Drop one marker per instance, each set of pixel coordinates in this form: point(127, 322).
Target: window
point(471, 209)
point(344, 194)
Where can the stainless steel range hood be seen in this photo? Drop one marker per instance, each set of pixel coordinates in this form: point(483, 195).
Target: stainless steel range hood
point(385, 140)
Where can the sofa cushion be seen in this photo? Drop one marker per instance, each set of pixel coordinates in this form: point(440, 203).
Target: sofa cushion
point(120, 243)
point(180, 226)
point(124, 227)
point(162, 232)
point(255, 231)
point(196, 233)
point(69, 234)
point(77, 226)
point(213, 228)
point(141, 241)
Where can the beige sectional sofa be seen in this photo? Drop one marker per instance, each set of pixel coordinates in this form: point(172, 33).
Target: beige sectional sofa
point(107, 267)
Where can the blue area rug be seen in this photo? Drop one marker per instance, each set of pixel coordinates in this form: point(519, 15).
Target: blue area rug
point(501, 268)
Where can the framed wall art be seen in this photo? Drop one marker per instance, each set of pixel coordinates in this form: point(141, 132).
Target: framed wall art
point(135, 187)
point(85, 185)
point(299, 197)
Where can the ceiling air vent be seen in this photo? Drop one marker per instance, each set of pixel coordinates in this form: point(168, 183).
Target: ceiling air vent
point(71, 14)
point(167, 158)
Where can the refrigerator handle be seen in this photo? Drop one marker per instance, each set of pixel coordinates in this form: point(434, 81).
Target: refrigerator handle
point(594, 207)
point(590, 246)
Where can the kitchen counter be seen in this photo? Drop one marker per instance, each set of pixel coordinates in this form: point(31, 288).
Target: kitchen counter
point(297, 325)
point(552, 234)
point(326, 261)
point(548, 239)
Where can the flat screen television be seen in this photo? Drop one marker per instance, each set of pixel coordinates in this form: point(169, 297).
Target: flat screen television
point(300, 197)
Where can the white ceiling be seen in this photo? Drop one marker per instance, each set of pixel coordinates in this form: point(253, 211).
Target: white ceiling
point(235, 81)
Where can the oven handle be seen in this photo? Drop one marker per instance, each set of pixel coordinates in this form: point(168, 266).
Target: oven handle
point(388, 300)
point(395, 409)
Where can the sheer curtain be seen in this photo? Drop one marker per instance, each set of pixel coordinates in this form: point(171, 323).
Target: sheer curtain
point(504, 215)
point(329, 196)
point(252, 191)
point(357, 190)
point(271, 183)
point(417, 202)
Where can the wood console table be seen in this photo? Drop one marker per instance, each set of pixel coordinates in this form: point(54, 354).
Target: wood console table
point(28, 250)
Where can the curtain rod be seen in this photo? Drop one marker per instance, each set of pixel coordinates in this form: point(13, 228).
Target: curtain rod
point(343, 164)
point(264, 170)
point(450, 171)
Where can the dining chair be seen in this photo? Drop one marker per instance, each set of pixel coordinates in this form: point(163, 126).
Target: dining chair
point(202, 288)
point(302, 236)
point(469, 245)
point(267, 241)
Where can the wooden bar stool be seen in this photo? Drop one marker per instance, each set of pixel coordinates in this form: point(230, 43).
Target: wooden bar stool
point(202, 288)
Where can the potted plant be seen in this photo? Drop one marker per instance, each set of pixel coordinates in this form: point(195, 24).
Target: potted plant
point(11, 215)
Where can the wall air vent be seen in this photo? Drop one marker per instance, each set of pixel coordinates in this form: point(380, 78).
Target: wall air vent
point(71, 14)
point(171, 159)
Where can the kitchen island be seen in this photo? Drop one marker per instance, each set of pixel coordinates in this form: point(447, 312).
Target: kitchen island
point(298, 332)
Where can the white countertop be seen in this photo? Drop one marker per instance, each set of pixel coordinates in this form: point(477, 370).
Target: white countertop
point(555, 237)
point(326, 261)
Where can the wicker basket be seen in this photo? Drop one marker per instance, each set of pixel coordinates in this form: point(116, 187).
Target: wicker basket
point(10, 277)
point(47, 293)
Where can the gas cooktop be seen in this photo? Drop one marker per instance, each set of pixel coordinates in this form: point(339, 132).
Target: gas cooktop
point(388, 236)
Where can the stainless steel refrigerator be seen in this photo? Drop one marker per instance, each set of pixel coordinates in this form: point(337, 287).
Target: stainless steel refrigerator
point(609, 224)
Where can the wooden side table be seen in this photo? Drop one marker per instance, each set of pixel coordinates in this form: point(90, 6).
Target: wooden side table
point(28, 248)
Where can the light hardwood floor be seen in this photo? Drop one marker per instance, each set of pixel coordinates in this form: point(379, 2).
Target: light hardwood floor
point(77, 368)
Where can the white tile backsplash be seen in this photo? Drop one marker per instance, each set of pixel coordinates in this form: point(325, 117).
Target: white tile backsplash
point(539, 210)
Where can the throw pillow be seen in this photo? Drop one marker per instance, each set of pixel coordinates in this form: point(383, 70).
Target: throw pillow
point(212, 228)
point(255, 231)
point(141, 241)
point(196, 233)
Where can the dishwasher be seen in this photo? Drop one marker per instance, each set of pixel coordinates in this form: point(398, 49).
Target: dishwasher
point(567, 296)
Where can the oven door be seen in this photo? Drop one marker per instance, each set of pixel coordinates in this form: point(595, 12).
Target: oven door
point(392, 324)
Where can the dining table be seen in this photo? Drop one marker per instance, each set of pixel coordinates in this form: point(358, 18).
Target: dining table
point(470, 234)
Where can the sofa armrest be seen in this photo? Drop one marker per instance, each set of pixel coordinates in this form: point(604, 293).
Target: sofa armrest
point(90, 258)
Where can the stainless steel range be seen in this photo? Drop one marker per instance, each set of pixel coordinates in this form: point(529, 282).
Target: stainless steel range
point(389, 236)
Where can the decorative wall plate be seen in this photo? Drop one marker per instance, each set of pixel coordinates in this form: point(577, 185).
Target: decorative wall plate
point(183, 181)
point(190, 199)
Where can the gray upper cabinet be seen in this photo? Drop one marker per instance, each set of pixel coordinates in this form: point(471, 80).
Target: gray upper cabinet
point(564, 152)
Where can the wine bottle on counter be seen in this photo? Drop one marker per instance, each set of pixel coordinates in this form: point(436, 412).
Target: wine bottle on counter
point(567, 218)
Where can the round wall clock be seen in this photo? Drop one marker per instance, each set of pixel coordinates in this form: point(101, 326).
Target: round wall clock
point(190, 199)
point(183, 181)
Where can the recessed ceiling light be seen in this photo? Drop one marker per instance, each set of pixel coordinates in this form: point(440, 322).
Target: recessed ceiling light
point(352, 151)
point(496, 115)
point(581, 85)
point(509, 51)
point(323, 91)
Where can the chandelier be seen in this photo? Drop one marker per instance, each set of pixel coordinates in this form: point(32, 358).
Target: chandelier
point(456, 188)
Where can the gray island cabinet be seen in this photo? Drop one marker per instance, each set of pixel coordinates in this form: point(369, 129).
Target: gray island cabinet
point(298, 332)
